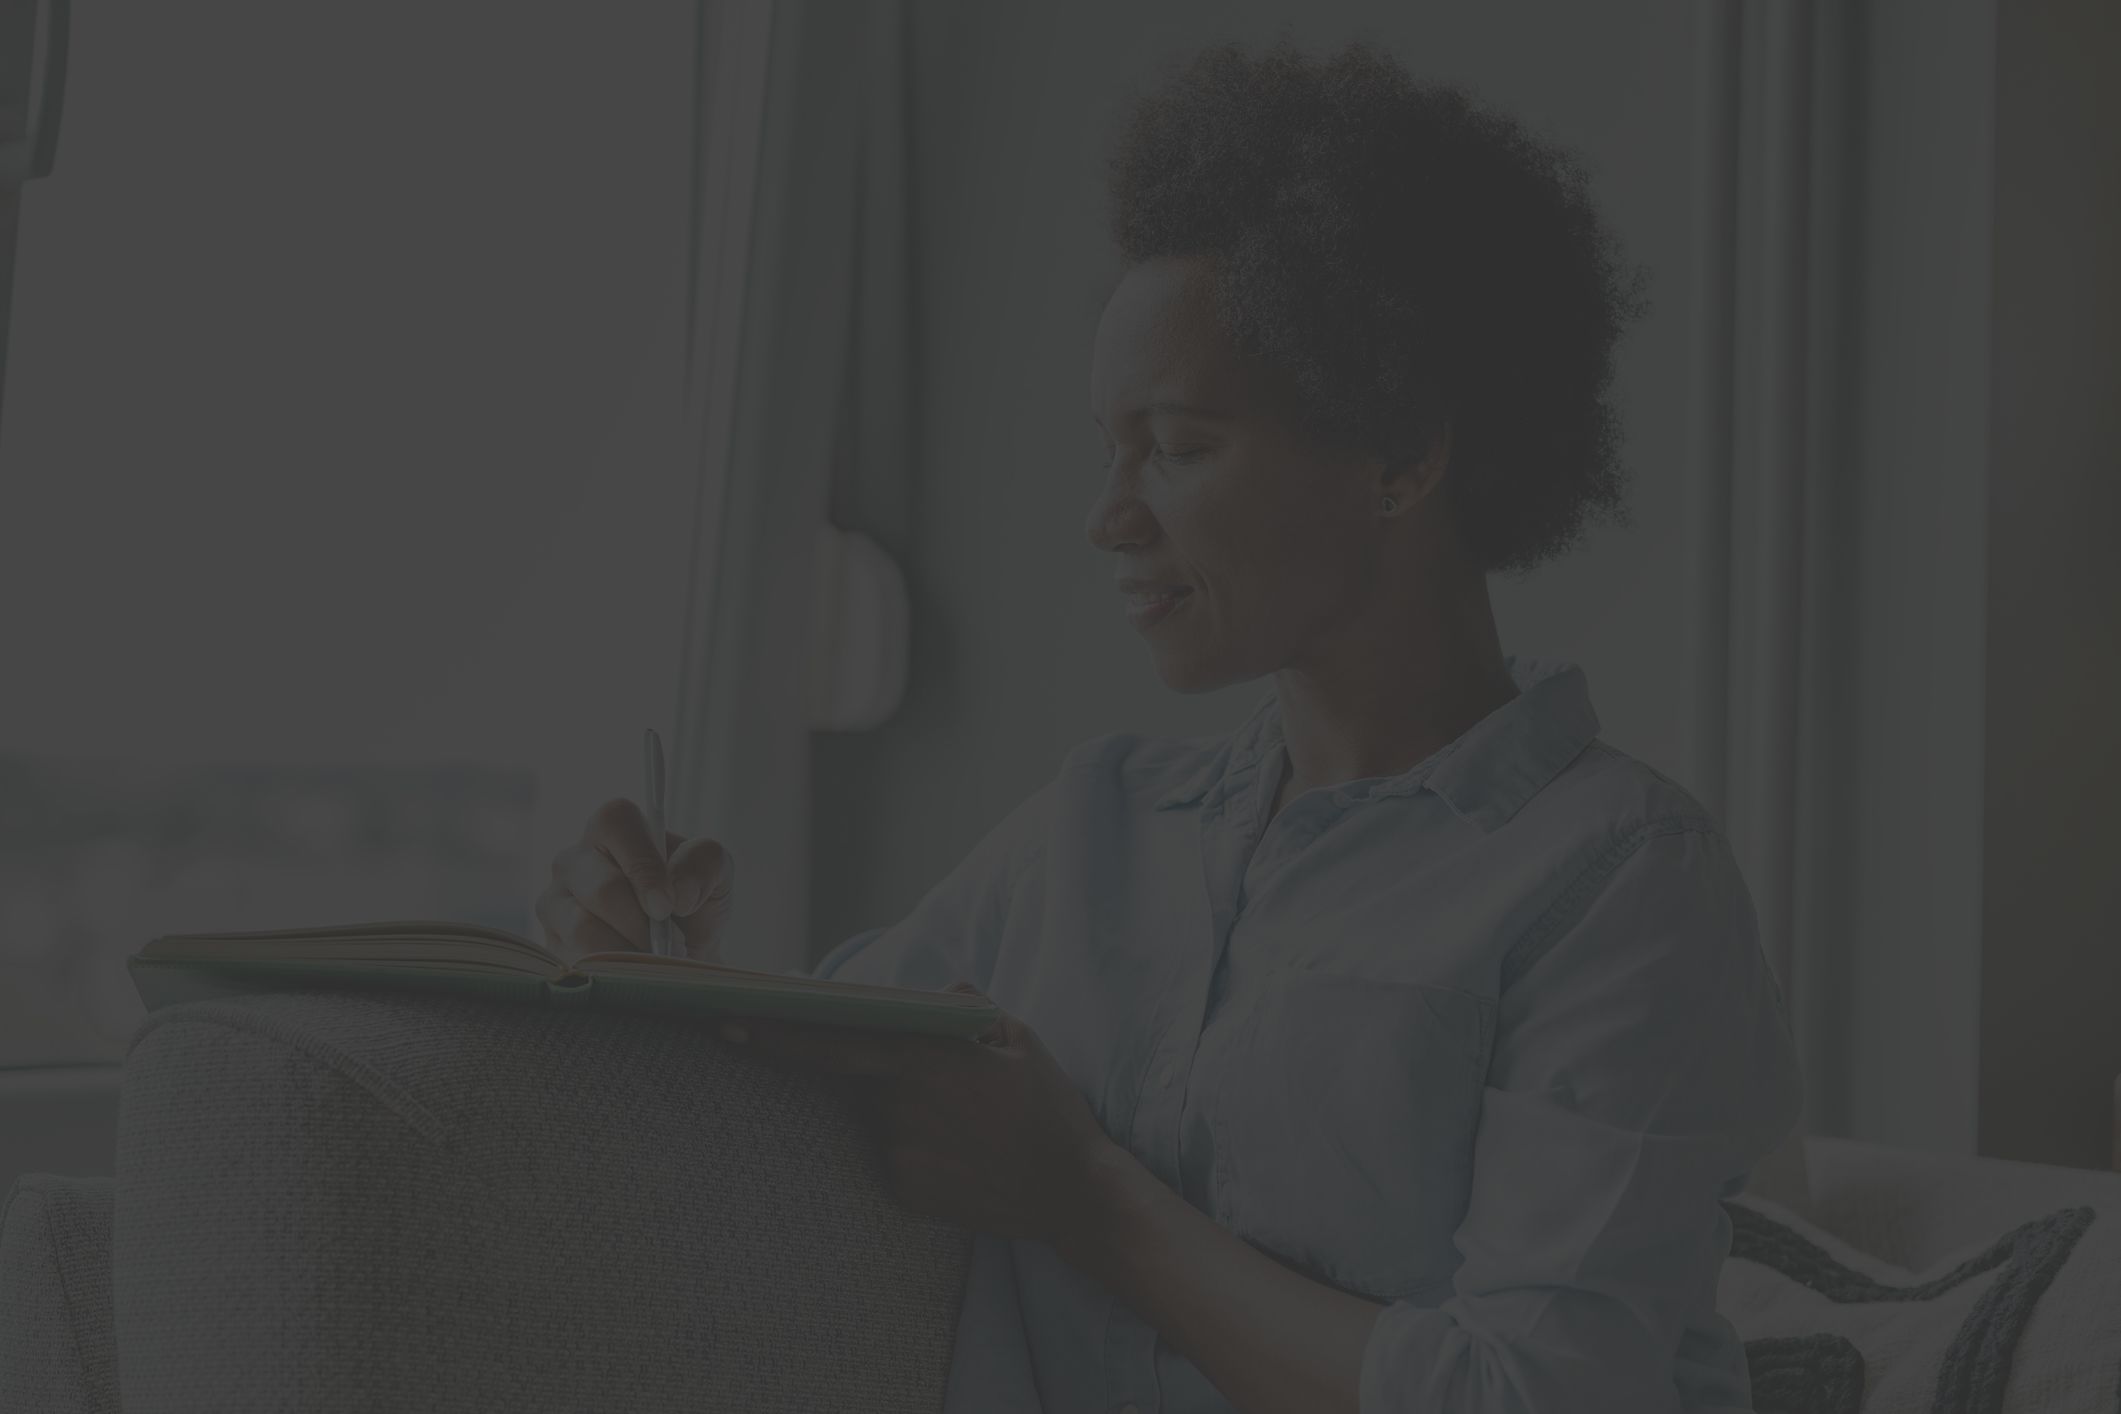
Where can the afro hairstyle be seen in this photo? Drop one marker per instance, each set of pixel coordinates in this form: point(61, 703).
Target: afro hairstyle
point(1409, 262)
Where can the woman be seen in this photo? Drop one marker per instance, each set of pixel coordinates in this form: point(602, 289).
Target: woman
point(1397, 1051)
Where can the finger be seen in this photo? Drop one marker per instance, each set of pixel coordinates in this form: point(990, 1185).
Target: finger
point(929, 1184)
point(865, 1097)
point(833, 1050)
point(701, 879)
point(891, 1109)
point(620, 833)
point(830, 1050)
point(589, 877)
point(542, 911)
point(910, 1171)
point(572, 928)
point(996, 1034)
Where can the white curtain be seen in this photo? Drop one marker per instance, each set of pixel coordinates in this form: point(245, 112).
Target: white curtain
point(800, 394)
point(1773, 521)
point(1841, 439)
point(33, 45)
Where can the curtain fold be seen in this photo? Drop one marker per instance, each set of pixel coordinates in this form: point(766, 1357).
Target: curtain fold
point(815, 414)
point(33, 62)
point(1774, 515)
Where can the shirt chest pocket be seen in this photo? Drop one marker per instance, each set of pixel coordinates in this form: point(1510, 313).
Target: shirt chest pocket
point(1344, 1126)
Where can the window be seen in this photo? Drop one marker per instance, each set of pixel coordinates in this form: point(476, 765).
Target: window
point(97, 856)
point(345, 501)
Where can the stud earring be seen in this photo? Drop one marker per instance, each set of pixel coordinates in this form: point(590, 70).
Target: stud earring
point(1390, 505)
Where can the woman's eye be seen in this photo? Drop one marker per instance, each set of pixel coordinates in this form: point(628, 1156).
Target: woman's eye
point(1180, 456)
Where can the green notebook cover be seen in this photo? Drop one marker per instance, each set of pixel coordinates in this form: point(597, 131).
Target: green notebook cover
point(198, 967)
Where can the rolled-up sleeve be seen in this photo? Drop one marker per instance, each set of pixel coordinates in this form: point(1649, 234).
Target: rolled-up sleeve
point(1642, 1067)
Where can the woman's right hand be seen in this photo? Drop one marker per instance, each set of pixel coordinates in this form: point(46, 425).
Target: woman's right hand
point(606, 888)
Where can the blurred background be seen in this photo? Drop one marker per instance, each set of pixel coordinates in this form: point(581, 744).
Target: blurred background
point(406, 404)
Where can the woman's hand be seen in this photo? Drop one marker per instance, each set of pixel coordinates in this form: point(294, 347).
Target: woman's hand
point(995, 1137)
point(607, 888)
point(991, 1135)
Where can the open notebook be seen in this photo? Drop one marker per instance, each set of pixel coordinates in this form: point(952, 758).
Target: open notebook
point(458, 957)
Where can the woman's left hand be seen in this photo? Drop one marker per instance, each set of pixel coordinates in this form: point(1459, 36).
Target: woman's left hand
point(991, 1135)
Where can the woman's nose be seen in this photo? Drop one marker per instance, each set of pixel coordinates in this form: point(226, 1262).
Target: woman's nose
point(1118, 520)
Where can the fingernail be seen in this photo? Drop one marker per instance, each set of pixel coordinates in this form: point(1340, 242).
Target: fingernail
point(734, 1034)
point(657, 902)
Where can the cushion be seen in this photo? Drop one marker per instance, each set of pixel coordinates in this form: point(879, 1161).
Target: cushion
point(2029, 1320)
point(57, 1355)
point(1915, 1209)
point(358, 1201)
point(1784, 1176)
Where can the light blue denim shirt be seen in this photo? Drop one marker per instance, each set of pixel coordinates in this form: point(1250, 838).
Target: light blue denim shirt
point(1486, 1042)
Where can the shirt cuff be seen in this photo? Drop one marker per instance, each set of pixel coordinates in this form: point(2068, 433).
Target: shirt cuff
point(1421, 1359)
point(1402, 1359)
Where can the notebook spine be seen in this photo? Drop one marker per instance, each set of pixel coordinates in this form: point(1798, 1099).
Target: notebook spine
point(570, 987)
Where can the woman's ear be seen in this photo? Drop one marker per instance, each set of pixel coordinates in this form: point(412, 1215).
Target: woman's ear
point(1406, 481)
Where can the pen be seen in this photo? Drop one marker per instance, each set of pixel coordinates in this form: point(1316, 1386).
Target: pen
point(662, 933)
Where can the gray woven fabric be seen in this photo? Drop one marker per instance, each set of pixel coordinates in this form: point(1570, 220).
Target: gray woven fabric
point(56, 1353)
point(342, 1201)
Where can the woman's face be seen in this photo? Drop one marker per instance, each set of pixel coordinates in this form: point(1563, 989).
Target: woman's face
point(1238, 542)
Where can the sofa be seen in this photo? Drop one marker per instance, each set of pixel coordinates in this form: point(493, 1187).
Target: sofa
point(337, 1200)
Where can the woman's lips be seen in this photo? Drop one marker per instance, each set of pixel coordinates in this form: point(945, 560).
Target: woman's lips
point(1147, 607)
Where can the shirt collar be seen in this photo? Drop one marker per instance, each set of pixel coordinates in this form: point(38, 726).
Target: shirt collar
point(1236, 755)
point(1485, 776)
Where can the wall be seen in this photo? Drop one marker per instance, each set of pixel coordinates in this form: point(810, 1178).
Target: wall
point(2051, 980)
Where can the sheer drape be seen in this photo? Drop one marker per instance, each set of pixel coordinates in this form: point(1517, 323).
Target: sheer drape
point(801, 392)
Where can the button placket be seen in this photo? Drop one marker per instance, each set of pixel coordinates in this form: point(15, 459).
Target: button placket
point(1288, 835)
point(1229, 830)
point(1155, 1124)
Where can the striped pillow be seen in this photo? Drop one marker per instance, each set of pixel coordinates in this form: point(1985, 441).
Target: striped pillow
point(2029, 1321)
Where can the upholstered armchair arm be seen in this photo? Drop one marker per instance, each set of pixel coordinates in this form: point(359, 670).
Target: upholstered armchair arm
point(359, 1201)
